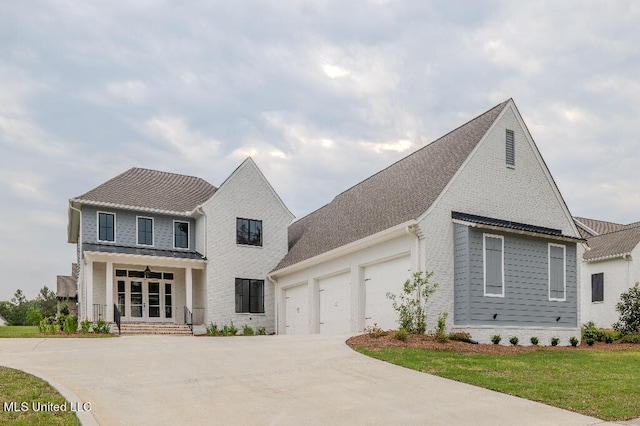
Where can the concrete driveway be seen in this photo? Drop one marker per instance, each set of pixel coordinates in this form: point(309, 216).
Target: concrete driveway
point(275, 380)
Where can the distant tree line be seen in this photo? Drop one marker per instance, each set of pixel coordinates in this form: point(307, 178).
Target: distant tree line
point(20, 311)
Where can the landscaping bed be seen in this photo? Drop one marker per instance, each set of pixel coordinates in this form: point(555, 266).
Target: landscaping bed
point(429, 342)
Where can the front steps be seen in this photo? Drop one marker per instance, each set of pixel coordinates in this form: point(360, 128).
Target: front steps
point(152, 328)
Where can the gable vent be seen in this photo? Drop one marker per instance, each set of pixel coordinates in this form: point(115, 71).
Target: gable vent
point(510, 148)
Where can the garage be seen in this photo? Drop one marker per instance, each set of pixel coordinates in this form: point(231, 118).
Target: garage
point(335, 304)
point(296, 310)
point(380, 280)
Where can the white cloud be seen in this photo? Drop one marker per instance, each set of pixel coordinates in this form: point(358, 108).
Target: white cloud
point(192, 145)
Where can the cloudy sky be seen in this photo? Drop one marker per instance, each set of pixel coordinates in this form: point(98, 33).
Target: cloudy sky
point(321, 94)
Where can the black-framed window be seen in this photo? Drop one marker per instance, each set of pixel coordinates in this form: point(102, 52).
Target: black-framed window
point(106, 226)
point(145, 231)
point(249, 232)
point(597, 287)
point(181, 234)
point(249, 296)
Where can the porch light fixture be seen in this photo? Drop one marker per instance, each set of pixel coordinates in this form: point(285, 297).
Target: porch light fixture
point(147, 272)
point(494, 316)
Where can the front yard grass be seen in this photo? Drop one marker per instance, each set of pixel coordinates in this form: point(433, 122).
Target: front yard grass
point(602, 384)
point(18, 386)
point(15, 331)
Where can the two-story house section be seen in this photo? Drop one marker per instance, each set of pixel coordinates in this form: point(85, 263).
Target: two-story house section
point(153, 246)
point(139, 246)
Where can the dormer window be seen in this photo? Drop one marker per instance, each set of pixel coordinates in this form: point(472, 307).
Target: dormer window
point(249, 232)
point(106, 227)
point(510, 143)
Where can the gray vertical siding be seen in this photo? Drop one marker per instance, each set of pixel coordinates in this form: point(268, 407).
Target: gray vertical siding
point(126, 228)
point(461, 274)
point(526, 289)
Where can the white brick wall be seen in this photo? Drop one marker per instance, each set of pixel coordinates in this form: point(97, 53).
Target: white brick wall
point(246, 194)
point(486, 186)
point(352, 263)
point(619, 275)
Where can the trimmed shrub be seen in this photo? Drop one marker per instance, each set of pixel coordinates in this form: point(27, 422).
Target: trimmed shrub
point(534, 340)
point(401, 334)
point(555, 341)
point(496, 339)
point(514, 340)
point(574, 341)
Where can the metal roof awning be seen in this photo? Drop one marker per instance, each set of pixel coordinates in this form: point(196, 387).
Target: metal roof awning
point(510, 226)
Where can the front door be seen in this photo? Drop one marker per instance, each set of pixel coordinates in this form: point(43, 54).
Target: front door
point(145, 300)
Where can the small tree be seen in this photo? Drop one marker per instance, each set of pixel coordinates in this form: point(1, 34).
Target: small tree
point(33, 316)
point(629, 309)
point(411, 304)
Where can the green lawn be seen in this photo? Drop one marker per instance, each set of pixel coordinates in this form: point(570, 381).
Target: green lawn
point(602, 384)
point(17, 386)
point(19, 331)
point(32, 331)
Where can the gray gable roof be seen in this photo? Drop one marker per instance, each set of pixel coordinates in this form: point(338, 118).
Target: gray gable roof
point(613, 244)
point(397, 194)
point(608, 240)
point(151, 190)
point(598, 227)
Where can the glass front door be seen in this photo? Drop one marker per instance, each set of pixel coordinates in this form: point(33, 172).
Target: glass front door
point(144, 299)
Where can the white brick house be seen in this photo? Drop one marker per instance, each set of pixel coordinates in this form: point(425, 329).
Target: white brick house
point(609, 267)
point(156, 247)
point(478, 207)
point(436, 210)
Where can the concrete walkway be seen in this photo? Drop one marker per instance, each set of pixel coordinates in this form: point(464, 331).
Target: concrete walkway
point(275, 380)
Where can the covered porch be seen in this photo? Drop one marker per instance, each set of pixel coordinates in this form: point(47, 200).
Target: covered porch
point(142, 289)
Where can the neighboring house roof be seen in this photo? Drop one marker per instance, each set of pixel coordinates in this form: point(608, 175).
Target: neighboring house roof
point(150, 190)
point(397, 194)
point(110, 248)
point(613, 244)
point(608, 240)
point(597, 227)
point(66, 287)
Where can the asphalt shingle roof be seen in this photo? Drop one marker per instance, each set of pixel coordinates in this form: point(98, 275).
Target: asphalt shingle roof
point(599, 226)
point(610, 239)
point(397, 194)
point(612, 244)
point(151, 190)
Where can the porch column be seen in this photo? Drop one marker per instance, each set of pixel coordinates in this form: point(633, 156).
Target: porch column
point(88, 274)
point(188, 282)
point(109, 285)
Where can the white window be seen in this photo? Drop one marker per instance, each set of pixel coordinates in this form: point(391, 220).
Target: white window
point(557, 275)
point(106, 227)
point(493, 249)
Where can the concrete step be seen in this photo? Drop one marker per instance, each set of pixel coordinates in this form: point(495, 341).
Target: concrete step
point(154, 328)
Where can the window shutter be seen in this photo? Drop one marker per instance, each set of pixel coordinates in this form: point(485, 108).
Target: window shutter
point(556, 272)
point(597, 287)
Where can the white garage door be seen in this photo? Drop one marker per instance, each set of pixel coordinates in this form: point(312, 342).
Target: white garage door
point(296, 310)
point(380, 280)
point(335, 304)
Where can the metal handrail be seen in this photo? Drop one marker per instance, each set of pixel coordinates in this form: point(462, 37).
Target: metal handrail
point(116, 317)
point(188, 318)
